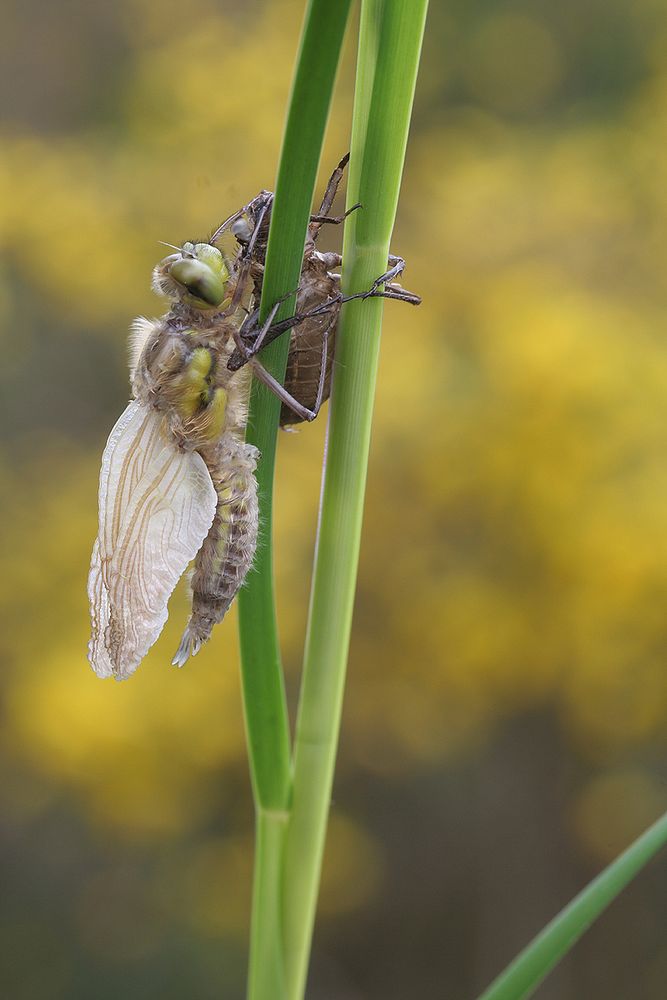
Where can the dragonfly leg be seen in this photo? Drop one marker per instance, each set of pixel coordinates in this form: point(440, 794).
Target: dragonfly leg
point(397, 266)
point(332, 186)
point(270, 331)
point(246, 350)
point(399, 293)
point(268, 323)
point(248, 343)
point(285, 397)
point(279, 390)
point(322, 214)
point(323, 373)
point(334, 220)
point(390, 291)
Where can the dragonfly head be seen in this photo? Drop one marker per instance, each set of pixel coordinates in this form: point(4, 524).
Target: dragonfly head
point(197, 274)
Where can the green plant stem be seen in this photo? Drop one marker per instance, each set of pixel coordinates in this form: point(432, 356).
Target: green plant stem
point(266, 974)
point(389, 47)
point(527, 971)
point(262, 676)
point(264, 698)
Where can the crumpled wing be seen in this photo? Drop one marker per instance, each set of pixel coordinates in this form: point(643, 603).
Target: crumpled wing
point(156, 505)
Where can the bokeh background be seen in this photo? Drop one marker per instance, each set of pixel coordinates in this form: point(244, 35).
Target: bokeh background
point(505, 720)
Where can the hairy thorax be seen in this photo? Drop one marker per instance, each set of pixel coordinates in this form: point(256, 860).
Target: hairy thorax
point(182, 372)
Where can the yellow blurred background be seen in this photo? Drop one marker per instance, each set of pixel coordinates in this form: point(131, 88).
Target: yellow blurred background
point(504, 728)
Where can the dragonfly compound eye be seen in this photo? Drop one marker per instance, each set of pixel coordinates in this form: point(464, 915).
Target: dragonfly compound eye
point(202, 281)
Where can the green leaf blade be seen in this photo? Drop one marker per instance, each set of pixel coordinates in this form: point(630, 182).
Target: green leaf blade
point(263, 684)
point(265, 708)
point(380, 128)
point(522, 977)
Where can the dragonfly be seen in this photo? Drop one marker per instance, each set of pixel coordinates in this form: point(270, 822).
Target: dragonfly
point(177, 480)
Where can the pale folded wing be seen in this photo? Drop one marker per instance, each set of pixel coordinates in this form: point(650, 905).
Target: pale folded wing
point(156, 505)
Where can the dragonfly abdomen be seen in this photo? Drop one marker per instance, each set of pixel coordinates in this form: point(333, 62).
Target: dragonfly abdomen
point(226, 555)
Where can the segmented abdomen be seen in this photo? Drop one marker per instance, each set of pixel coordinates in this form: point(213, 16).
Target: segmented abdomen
point(227, 553)
point(304, 363)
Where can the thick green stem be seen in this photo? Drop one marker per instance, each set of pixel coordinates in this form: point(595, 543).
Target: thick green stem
point(389, 48)
point(267, 969)
point(262, 676)
point(264, 697)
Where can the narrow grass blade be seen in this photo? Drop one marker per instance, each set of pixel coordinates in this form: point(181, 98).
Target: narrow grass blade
point(389, 48)
point(264, 699)
point(522, 977)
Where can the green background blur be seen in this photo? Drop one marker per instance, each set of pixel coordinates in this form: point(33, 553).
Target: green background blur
point(505, 719)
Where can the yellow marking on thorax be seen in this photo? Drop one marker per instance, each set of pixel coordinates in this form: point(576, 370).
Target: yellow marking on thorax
point(216, 413)
point(193, 387)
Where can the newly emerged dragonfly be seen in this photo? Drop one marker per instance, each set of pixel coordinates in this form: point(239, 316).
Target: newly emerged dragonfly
point(177, 480)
